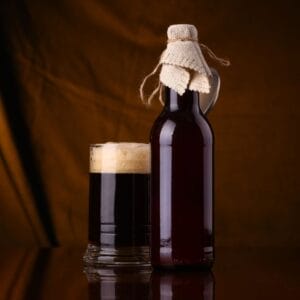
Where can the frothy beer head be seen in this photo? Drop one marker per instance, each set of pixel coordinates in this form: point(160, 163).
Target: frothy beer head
point(120, 158)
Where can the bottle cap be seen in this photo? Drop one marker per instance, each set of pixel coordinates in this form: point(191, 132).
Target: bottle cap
point(182, 31)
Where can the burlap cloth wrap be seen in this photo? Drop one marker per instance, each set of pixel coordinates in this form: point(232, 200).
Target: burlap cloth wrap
point(182, 64)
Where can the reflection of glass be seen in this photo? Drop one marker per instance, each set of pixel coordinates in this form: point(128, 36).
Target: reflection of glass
point(118, 205)
point(182, 285)
point(118, 283)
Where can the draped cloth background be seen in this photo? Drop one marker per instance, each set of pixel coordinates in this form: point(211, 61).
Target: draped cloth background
point(69, 76)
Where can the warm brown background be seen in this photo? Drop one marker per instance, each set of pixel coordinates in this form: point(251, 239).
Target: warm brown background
point(70, 72)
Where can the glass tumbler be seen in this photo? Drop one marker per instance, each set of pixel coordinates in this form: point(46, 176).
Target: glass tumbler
point(118, 205)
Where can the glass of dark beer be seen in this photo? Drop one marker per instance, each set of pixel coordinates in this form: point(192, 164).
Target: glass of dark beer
point(119, 205)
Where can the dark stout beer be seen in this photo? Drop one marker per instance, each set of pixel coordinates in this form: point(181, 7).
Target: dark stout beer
point(119, 204)
point(181, 184)
point(118, 210)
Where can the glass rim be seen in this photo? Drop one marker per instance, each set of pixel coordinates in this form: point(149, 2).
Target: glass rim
point(95, 145)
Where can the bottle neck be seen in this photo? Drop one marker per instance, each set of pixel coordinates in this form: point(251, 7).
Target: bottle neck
point(188, 102)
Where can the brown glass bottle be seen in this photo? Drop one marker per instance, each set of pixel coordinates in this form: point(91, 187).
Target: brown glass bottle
point(181, 184)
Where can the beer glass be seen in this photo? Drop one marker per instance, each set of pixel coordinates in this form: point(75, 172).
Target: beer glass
point(118, 205)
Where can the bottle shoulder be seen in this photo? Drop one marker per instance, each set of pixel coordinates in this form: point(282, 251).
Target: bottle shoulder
point(182, 126)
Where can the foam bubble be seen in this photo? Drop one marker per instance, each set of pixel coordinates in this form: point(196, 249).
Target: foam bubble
point(120, 158)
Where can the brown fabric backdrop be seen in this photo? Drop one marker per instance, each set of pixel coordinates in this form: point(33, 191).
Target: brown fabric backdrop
point(69, 75)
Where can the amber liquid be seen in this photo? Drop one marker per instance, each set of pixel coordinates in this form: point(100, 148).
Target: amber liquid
point(181, 184)
point(119, 210)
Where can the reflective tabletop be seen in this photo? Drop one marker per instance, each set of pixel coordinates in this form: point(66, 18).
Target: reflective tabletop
point(239, 273)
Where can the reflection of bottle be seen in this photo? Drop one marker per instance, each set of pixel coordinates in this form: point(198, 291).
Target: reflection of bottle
point(118, 283)
point(182, 285)
point(181, 185)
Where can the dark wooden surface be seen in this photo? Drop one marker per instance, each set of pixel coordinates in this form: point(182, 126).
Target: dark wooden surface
point(239, 273)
